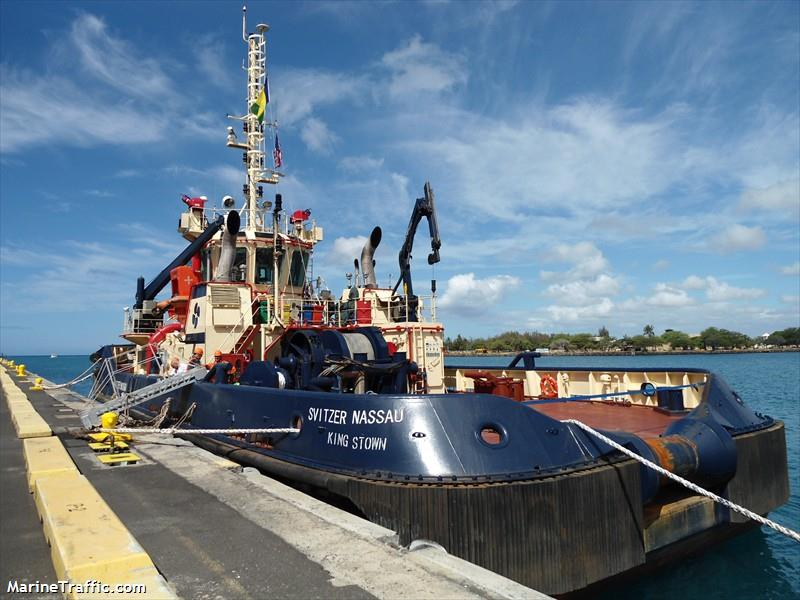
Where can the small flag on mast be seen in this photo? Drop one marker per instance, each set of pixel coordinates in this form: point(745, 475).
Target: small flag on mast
point(259, 107)
point(277, 154)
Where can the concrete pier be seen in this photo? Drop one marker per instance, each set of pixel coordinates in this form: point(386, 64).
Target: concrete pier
point(213, 530)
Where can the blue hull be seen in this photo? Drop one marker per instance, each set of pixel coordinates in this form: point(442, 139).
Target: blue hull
point(419, 465)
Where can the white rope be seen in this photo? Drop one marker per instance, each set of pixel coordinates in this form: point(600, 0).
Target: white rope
point(695, 488)
point(82, 377)
point(68, 384)
point(173, 430)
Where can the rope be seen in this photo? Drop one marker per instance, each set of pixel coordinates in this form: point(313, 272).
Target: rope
point(695, 488)
point(82, 377)
point(174, 430)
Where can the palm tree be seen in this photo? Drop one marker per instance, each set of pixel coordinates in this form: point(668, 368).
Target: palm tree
point(649, 331)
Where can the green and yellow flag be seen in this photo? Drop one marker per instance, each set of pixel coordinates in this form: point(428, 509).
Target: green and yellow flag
point(259, 107)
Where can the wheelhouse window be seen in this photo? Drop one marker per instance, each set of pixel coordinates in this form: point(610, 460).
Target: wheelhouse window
point(263, 265)
point(297, 271)
point(240, 265)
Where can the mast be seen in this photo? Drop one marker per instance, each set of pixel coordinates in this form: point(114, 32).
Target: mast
point(254, 154)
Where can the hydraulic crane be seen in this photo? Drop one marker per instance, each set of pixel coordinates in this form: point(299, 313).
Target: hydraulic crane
point(424, 207)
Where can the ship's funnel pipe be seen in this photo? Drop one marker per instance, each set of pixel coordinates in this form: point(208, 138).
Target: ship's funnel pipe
point(367, 264)
point(228, 252)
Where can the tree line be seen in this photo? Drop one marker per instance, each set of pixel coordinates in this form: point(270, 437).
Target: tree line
point(711, 338)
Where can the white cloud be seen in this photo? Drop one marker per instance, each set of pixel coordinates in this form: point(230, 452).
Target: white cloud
point(649, 27)
point(303, 90)
point(422, 67)
point(82, 118)
point(85, 276)
point(229, 180)
point(736, 238)
point(111, 94)
point(345, 249)
point(466, 295)
point(661, 265)
point(585, 291)
point(581, 313)
point(99, 193)
point(125, 173)
point(587, 259)
point(665, 295)
point(793, 269)
point(720, 291)
point(360, 163)
point(214, 182)
point(375, 198)
point(782, 198)
point(693, 282)
point(582, 292)
point(210, 53)
point(114, 61)
point(587, 154)
point(317, 136)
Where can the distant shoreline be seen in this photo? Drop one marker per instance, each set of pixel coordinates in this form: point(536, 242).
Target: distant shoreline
point(472, 353)
point(554, 352)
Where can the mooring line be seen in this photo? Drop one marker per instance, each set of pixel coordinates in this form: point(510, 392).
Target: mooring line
point(82, 377)
point(686, 483)
point(173, 430)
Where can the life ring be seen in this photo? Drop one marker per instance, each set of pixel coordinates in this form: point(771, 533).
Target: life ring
point(548, 387)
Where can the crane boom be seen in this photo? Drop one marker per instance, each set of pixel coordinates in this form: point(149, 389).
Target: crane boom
point(424, 207)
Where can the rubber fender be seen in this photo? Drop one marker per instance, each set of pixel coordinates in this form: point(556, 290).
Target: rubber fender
point(651, 481)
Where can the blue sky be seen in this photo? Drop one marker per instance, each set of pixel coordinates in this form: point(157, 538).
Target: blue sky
point(594, 164)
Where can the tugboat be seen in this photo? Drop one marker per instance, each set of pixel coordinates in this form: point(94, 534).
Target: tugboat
point(522, 470)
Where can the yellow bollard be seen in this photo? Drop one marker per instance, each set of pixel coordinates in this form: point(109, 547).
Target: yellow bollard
point(37, 385)
point(109, 420)
point(21, 371)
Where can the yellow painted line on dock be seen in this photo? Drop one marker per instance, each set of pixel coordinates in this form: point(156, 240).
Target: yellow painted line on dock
point(19, 400)
point(11, 388)
point(88, 542)
point(29, 424)
point(47, 457)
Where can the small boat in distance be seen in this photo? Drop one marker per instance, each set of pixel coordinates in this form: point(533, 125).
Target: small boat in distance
point(54, 356)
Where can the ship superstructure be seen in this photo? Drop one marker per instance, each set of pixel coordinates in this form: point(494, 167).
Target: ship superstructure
point(250, 280)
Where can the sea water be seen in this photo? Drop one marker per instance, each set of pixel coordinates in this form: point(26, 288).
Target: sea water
point(758, 564)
